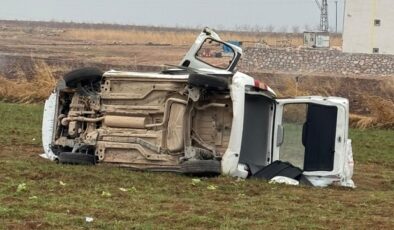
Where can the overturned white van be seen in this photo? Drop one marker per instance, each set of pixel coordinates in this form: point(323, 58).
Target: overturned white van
point(201, 117)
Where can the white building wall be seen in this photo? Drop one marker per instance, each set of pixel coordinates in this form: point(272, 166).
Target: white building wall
point(360, 35)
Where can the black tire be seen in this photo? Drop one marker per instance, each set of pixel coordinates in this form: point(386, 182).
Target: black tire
point(201, 167)
point(208, 81)
point(76, 158)
point(85, 75)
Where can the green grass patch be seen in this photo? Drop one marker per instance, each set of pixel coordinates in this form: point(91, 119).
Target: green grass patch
point(373, 145)
point(62, 196)
point(20, 124)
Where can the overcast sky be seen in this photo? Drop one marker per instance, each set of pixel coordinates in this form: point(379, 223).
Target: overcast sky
point(214, 13)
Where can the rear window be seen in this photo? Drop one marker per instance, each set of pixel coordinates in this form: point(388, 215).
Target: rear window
point(309, 136)
point(292, 150)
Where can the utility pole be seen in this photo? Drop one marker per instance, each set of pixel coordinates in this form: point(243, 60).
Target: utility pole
point(336, 16)
point(324, 16)
point(323, 7)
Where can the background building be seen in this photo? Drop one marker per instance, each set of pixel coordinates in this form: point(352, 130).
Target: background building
point(369, 26)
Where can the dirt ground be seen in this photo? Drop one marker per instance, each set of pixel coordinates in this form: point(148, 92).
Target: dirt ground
point(67, 45)
point(20, 45)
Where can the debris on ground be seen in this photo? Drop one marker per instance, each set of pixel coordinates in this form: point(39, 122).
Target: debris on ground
point(88, 219)
point(22, 187)
point(195, 181)
point(212, 187)
point(106, 194)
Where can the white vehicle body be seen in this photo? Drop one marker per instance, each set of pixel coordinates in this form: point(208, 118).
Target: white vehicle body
point(249, 146)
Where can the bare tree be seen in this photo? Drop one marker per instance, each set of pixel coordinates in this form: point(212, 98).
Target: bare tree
point(283, 29)
point(220, 27)
point(258, 28)
point(295, 29)
point(317, 27)
point(245, 27)
point(270, 28)
point(238, 27)
point(307, 27)
point(261, 28)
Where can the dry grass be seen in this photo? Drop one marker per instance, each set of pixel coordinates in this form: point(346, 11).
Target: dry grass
point(381, 109)
point(382, 114)
point(24, 90)
point(185, 37)
point(290, 88)
point(360, 121)
point(130, 36)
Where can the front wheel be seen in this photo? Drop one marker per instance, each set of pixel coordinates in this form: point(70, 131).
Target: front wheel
point(201, 167)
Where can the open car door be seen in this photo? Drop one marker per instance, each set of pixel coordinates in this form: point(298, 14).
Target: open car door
point(211, 53)
point(312, 133)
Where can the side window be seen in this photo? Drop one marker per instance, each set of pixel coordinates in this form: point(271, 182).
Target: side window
point(215, 54)
point(292, 150)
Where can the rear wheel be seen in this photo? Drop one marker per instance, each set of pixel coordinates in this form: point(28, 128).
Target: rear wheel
point(76, 158)
point(201, 167)
point(82, 76)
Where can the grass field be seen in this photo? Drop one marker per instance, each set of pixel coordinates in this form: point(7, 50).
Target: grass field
point(38, 194)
